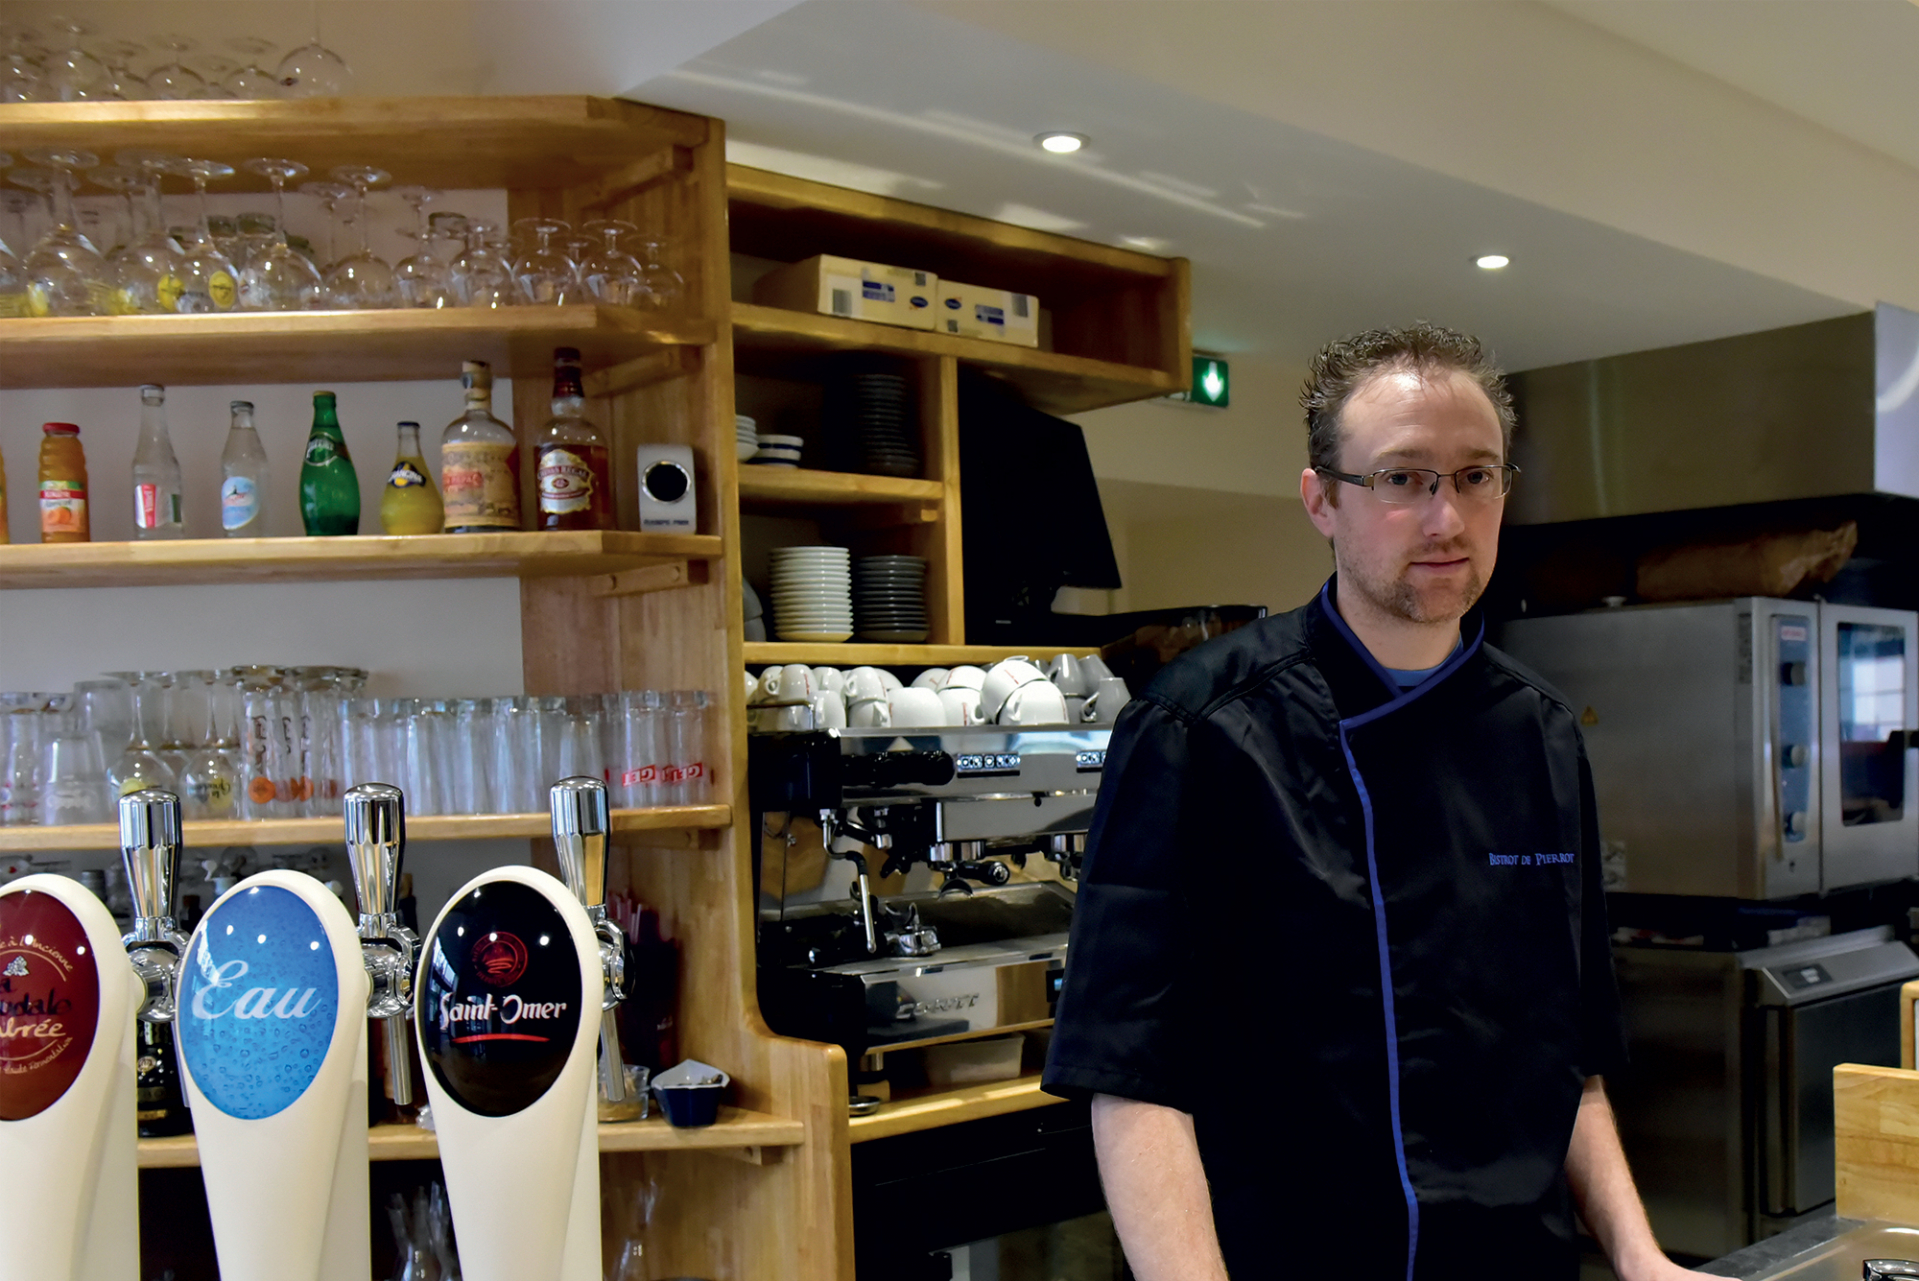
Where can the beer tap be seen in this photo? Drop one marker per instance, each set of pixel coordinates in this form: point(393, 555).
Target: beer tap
point(580, 825)
point(150, 846)
point(375, 846)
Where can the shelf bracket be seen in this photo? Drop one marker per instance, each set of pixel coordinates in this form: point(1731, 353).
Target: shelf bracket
point(753, 1155)
point(643, 371)
point(651, 578)
point(625, 183)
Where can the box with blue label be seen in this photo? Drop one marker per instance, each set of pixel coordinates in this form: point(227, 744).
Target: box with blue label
point(854, 289)
point(972, 312)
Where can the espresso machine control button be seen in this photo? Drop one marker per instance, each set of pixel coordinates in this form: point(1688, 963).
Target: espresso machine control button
point(1796, 823)
point(1796, 755)
point(1792, 673)
point(898, 769)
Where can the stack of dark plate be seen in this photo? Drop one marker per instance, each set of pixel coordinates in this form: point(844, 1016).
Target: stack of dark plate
point(885, 431)
point(889, 599)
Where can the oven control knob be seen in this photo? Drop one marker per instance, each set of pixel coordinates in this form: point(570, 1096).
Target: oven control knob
point(1792, 673)
point(1796, 823)
point(1797, 757)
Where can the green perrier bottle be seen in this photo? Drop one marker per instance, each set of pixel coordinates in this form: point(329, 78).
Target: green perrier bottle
point(329, 489)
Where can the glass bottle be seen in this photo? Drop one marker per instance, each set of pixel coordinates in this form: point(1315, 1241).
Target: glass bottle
point(156, 472)
point(159, 1109)
point(410, 503)
point(329, 487)
point(479, 462)
point(573, 466)
point(63, 485)
point(244, 479)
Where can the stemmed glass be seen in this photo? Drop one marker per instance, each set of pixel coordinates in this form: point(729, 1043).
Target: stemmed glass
point(20, 79)
point(71, 73)
point(361, 279)
point(662, 285)
point(215, 70)
point(313, 70)
point(253, 81)
point(126, 180)
point(612, 275)
point(120, 84)
point(140, 764)
point(148, 272)
point(422, 278)
point(330, 195)
point(207, 279)
point(278, 278)
point(175, 80)
point(13, 277)
point(546, 275)
point(482, 275)
point(66, 276)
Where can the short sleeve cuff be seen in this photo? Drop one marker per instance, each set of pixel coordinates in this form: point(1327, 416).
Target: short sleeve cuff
point(1070, 1082)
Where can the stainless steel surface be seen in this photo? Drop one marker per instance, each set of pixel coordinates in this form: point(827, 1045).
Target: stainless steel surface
point(1844, 1257)
point(375, 817)
point(1807, 411)
point(1726, 1108)
point(150, 850)
point(1714, 732)
point(578, 809)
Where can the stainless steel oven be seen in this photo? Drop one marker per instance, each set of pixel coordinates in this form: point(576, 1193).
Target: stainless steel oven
point(1750, 748)
point(1726, 1107)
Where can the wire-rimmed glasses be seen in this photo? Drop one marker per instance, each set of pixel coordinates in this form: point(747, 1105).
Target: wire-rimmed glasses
point(66, 275)
point(208, 281)
point(1407, 486)
point(277, 278)
point(545, 274)
point(362, 279)
point(175, 80)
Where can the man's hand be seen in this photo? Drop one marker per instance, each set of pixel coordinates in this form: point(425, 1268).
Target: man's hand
point(1156, 1190)
point(1603, 1188)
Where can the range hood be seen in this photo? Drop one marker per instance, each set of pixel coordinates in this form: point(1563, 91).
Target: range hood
point(1810, 411)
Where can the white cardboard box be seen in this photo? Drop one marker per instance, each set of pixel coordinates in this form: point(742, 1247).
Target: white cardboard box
point(972, 312)
point(854, 289)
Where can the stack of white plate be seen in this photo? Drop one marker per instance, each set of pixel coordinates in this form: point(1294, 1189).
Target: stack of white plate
point(813, 593)
point(891, 599)
point(746, 436)
point(779, 451)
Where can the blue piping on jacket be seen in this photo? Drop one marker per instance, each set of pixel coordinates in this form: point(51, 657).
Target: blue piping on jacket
point(1379, 894)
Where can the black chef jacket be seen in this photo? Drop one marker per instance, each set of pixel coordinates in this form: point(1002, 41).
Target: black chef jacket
point(1358, 933)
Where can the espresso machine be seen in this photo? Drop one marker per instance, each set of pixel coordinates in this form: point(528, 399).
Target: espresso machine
point(928, 937)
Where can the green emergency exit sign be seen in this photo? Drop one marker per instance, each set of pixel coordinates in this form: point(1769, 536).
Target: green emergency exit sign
point(1212, 383)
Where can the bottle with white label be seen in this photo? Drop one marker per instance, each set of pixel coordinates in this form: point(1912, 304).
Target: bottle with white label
point(156, 472)
point(572, 470)
point(244, 479)
point(479, 462)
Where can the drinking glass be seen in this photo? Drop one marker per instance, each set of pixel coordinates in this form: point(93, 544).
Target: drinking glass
point(637, 774)
point(139, 764)
point(331, 196)
point(66, 276)
point(174, 80)
point(21, 721)
point(482, 275)
point(13, 276)
point(686, 778)
point(214, 70)
point(662, 286)
point(424, 755)
point(253, 81)
point(73, 789)
point(278, 278)
point(127, 181)
point(313, 70)
point(469, 725)
point(423, 280)
point(209, 784)
point(361, 280)
point(70, 73)
point(147, 273)
point(578, 754)
point(120, 83)
point(20, 79)
point(545, 274)
point(612, 275)
point(208, 281)
point(269, 747)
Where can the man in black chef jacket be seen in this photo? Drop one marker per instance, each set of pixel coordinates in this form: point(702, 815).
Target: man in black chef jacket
point(1340, 984)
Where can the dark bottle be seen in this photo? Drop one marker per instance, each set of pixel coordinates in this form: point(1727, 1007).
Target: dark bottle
point(572, 471)
point(158, 1106)
point(329, 488)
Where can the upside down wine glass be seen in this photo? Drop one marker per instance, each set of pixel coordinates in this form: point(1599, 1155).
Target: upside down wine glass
point(361, 279)
point(66, 276)
point(423, 279)
point(208, 281)
point(546, 275)
point(278, 278)
point(147, 274)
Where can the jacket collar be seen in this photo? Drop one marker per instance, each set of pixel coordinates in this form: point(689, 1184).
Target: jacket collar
point(1362, 687)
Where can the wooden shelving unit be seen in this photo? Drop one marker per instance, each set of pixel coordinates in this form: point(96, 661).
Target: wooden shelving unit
point(197, 561)
point(934, 1108)
point(858, 655)
point(737, 1131)
point(776, 488)
point(306, 831)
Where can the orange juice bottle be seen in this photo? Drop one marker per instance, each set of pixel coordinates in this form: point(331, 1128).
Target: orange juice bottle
point(63, 485)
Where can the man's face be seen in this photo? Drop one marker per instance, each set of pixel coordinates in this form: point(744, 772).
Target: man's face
point(1428, 561)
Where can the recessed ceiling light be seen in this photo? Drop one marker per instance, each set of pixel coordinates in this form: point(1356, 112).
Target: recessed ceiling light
point(1061, 144)
point(1491, 262)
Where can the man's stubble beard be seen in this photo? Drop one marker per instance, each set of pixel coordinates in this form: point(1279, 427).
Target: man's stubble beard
point(1400, 599)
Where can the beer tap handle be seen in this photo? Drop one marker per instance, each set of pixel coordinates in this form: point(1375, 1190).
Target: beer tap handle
point(580, 826)
point(150, 847)
point(375, 816)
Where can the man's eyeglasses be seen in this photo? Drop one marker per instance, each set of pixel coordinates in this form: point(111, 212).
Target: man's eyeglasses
point(1406, 485)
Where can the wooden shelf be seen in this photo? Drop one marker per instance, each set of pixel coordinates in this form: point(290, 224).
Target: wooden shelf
point(770, 340)
point(776, 487)
point(736, 1128)
point(306, 831)
point(451, 143)
point(856, 655)
point(296, 560)
point(325, 346)
point(949, 1107)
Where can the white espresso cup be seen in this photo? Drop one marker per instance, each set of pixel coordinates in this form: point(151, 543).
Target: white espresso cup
point(962, 705)
point(917, 708)
point(965, 676)
point(864, 685)
point(933, 678)
point(791, 685)
point(829, 710)
point(869, 713)
point(1034, 703)
point(1000, 683)
point(1103, 707)
point(829, 679)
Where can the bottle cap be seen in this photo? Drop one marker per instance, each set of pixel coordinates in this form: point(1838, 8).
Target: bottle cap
point(476, 375)
point(413, 425)
point(566, 355)
point(61, 429)
point(238, 406)
point(152, 393)
point(319, 396)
